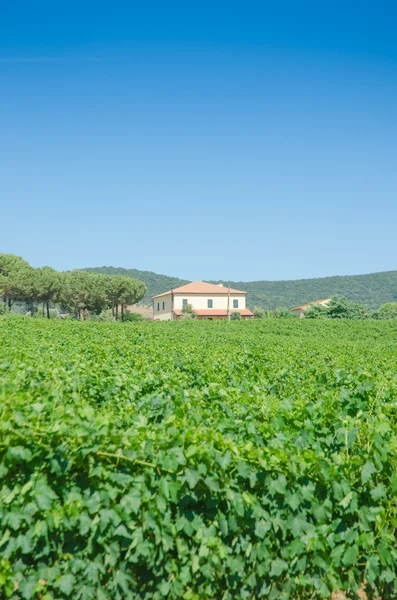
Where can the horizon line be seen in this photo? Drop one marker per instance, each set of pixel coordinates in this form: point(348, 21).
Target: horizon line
point(238, 280)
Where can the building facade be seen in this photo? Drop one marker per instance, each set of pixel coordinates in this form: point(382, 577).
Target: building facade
point(209, 301)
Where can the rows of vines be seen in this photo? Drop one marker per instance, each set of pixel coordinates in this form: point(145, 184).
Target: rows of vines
point(197, 460)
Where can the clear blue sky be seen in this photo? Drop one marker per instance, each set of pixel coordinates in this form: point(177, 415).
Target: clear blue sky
point(206, 140)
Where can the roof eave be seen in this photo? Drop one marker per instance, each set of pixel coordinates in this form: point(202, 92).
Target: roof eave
point(234, 292)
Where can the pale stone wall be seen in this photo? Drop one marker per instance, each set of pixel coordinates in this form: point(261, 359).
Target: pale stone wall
point(162, 308)
point(219, 301)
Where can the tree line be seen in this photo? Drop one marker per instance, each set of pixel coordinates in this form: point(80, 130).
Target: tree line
point(338, 308)
point(79, 291)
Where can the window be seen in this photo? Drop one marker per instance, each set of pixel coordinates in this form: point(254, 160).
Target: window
point(184, 302)
point(235, 303)
point(158, 306)
point(209, 304)
point(163, 305)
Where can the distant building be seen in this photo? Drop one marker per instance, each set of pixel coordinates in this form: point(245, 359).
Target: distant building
point(300, 310)
point(209, 300)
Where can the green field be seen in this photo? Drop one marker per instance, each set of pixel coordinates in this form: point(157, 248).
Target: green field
point(197, 460)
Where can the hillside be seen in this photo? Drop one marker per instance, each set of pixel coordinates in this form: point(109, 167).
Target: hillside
point(372, 290)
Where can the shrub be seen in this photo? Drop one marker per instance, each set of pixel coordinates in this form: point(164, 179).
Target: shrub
point(235, 316)
point(342, 308)
point(104, 316)
point(387, 311)
point(131, 316)
point(283, 313)
point(188, 312)
point(53, 312)
point(316, 311)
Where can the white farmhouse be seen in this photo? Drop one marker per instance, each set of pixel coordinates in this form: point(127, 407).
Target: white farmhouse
point(209, 300)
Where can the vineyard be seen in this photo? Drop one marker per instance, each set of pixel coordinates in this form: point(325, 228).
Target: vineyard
point(197, 460)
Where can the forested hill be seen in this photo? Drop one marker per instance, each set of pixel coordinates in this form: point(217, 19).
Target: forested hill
point(372, 290)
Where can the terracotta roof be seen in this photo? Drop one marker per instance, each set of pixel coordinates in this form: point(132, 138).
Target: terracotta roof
point(215, 312)
point(310, 303)
point(201, 287)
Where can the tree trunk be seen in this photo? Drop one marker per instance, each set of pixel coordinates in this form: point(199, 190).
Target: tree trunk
point(42, 309)
point(9, 303)
point(32, 309)
point(117, 312)
point(48, 310)
point(112, 309)
point(122, 312)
